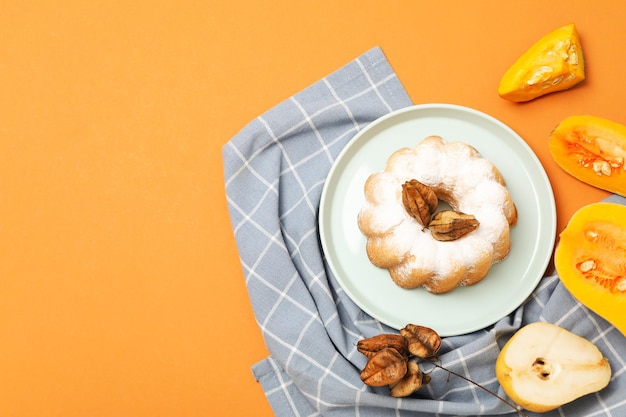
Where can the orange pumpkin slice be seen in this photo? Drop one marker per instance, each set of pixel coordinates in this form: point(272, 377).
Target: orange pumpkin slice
point(553, 63)
point(593, 150)
point(590, 259)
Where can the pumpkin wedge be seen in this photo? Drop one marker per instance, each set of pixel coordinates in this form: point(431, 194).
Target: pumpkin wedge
point(593, 150)
point(590, 260)
point(553, 63)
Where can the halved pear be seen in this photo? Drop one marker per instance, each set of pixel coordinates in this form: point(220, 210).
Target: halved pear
point(544, 366)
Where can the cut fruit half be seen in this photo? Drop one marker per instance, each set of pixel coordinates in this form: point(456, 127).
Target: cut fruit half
point(544, 366)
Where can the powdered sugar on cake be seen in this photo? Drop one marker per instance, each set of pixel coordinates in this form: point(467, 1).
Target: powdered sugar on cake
point(469, 184)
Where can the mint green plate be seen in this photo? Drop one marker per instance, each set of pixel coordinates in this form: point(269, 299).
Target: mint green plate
point(466, 309)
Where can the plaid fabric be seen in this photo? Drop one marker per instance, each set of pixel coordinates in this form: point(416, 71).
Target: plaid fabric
point(275, 169)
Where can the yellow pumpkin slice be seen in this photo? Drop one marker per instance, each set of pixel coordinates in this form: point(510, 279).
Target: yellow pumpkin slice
point(590, 259)
point(593, 150)
point(553, 63)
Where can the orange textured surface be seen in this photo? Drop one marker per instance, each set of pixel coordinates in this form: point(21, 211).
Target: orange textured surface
point(121, 292)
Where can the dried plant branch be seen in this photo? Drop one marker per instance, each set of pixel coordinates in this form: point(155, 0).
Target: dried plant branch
point(504, 400)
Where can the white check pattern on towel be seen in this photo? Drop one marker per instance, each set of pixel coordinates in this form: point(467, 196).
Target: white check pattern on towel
point(275, 169)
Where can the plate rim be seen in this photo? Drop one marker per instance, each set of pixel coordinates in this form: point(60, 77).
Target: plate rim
point(538, 169)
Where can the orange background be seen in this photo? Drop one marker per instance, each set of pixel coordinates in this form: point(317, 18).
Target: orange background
point(121, 292)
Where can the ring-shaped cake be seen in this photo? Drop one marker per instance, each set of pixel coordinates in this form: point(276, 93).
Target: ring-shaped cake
point(463, 179)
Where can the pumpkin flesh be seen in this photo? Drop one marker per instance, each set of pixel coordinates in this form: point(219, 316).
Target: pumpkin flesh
point(593, 150)
point(590, 260)
point(553, 63)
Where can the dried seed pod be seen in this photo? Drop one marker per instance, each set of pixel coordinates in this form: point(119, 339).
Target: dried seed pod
point(371, 345)
point(422, 341)
point(384, 367)
point(413, 380)
point(419, 200)
point(450, 225)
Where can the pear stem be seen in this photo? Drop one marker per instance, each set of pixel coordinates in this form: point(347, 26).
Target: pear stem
point(510, 404)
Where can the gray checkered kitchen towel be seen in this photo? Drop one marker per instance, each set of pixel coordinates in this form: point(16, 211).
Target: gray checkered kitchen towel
point(275, 169)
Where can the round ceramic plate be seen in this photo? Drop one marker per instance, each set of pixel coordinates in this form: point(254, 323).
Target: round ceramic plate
point(465, 309)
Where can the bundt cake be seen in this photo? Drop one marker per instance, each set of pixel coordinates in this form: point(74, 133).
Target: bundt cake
point(470, 237)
